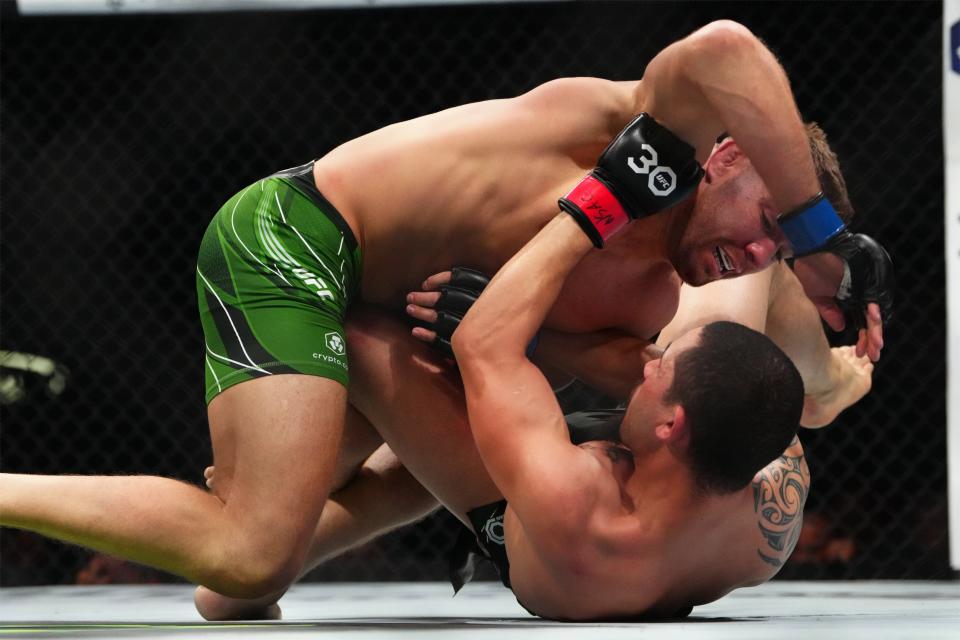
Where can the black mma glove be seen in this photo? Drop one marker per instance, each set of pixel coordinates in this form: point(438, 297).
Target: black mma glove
point(456, 298)
point(645, 169)
point(867, 276)
point(815, 227)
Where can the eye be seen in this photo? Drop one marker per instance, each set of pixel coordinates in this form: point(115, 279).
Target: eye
point(765, 222)
point(768, 229)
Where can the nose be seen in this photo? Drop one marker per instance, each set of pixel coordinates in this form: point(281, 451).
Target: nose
point(760, 254)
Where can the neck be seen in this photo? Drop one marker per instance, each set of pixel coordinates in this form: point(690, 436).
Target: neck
point(659, 476)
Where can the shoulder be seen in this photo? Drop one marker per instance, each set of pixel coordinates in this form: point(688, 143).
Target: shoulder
point(779, 494)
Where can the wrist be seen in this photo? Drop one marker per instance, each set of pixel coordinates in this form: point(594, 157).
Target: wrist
point(811, 226)
point(595, 208)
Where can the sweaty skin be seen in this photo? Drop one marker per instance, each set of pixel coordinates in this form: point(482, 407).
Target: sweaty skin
point(651, 546)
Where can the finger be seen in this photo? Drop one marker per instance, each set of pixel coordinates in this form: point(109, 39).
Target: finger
point(831, 314)
point(433, 282)
point(423, 298)
point(421, 313)
point(861, 348)
point(425, 335)
point(874, 331)
point(874, 346)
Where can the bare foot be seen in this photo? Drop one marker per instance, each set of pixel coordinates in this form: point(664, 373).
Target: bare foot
point(215, 607)
point(852, 379)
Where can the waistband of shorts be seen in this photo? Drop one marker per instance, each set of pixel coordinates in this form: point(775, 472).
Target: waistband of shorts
point(301, 179)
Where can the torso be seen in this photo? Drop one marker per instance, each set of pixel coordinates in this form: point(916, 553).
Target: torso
point(471, 185)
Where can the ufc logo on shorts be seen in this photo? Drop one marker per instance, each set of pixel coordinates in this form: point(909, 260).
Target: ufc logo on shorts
point(493, 529)
point(310, 278)
point(662, 180)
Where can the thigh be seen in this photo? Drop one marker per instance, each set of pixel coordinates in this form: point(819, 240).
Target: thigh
point(415, 401)
point(275, 276)
point(276, 441)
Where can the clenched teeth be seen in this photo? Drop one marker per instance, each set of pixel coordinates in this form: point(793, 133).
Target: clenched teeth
point(724, 264)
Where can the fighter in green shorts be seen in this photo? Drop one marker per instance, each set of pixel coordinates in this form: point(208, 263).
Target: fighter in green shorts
point(469, 185)
point(278, 267)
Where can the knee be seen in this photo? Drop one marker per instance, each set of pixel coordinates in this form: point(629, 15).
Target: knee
point(248, 571)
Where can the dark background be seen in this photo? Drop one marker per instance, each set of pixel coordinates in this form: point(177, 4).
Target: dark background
point(121, 136)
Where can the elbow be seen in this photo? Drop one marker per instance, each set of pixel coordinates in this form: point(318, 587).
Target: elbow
point(470, 345)
point(723, 40)
point(460, 342)
point(477, 342)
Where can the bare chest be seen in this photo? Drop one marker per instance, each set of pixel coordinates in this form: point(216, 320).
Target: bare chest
point(604, 292)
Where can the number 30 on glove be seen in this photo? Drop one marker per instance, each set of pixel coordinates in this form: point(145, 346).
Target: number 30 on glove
point(644, 170)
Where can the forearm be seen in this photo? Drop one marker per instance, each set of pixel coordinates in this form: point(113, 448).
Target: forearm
point(744, 84)
point(513, 306)
point(721, 79)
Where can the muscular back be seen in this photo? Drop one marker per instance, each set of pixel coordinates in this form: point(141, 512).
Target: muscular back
point(471, 184)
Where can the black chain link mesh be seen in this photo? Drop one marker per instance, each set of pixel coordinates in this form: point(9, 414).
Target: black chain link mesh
point(122, 136)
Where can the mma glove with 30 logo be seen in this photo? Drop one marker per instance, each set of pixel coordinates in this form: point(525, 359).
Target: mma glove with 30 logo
point(644, 170)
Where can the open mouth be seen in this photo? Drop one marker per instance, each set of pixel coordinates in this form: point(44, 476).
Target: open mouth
point(724, 264)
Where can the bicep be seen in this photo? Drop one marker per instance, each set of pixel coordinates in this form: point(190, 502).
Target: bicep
point(669, 95)
point(523, 440)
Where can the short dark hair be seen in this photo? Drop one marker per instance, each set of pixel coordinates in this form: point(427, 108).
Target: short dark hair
point(742, 397)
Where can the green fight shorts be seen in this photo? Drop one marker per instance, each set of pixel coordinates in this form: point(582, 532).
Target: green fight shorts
point(278, 267)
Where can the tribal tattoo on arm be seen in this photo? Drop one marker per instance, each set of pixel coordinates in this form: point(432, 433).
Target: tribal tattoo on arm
point(779, 493)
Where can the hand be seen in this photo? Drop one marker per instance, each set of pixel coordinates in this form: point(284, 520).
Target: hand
point(869, 285)
point(644, 170)
point(446, 298)
point(421, 305)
